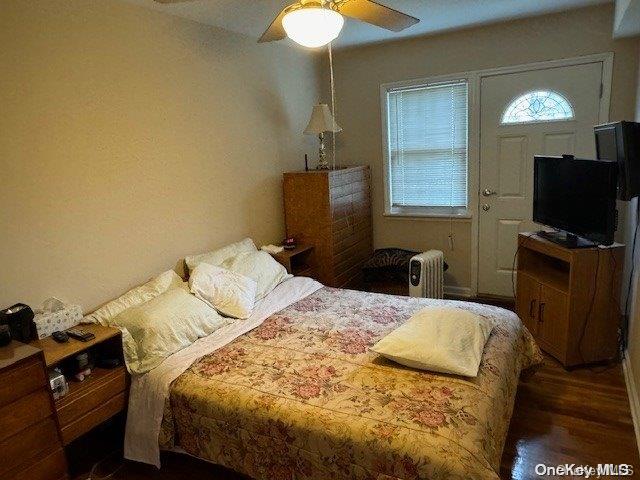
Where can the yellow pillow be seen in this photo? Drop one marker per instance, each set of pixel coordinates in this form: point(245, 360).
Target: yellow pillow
point(164, 325)
point(439, 339)
point(217, 257)
point(136, 296)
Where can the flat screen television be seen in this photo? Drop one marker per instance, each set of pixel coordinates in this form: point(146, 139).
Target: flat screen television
point(620, 141)
point(577, 197)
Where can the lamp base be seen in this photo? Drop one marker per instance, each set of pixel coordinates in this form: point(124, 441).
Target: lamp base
point(322, 159)
point(323, 165)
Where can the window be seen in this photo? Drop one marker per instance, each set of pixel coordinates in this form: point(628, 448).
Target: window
point(426, 150)
point(538, 106)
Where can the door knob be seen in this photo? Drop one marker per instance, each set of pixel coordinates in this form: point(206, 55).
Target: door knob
point(486, 207)
point(488, 192)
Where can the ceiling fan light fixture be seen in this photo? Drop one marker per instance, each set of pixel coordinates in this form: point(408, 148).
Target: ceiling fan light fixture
point(313, 27)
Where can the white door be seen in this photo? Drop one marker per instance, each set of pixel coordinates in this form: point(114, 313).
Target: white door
point(557, 120)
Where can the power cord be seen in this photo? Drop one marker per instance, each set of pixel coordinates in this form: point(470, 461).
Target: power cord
point(591, 303)
point(610, 361)
point(94, 476)
point(625, 326)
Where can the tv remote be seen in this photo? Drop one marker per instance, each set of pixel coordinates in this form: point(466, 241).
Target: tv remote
point(60, 337)
point(80, 334)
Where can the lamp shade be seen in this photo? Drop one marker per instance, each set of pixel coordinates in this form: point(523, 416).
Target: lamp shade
point(321, 121)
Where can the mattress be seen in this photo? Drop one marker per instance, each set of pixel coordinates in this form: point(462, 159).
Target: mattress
point(301, 396)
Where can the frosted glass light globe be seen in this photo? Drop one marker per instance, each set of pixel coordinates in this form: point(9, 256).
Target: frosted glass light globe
point(313, 27)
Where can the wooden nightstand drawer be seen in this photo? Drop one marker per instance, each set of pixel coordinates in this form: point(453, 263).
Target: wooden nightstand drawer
point(27, 446)
point(30, 446)
point(86, 396)
point(93, 418)
point(21, 380)
point(101, 395)
point(24, 412)
point(51, 467)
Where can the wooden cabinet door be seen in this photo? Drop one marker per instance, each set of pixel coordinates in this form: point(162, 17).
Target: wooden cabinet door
point(553, 321)
point(527, 298)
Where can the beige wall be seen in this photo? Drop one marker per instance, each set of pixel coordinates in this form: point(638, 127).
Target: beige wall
point(129, 138)
point(634, 332)
point(360, 72)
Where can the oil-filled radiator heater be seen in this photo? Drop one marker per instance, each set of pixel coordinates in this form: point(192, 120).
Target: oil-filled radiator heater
point(426, 275)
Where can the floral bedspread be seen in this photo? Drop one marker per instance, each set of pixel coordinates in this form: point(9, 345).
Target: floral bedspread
point(302, 397)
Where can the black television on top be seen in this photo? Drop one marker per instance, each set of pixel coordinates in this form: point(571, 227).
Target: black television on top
point(620, 141)
point(577, 197)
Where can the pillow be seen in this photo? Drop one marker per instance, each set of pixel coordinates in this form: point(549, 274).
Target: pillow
point(230, 293)
point(136, 296)
point(164, 325)
point(446, 340)
point(261, 268)
point(217, 257)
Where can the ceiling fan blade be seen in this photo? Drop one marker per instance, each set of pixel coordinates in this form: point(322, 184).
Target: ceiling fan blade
point(275, 30)
point(376, 14)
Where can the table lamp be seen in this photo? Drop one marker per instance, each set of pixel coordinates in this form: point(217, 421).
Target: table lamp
point(322, 121)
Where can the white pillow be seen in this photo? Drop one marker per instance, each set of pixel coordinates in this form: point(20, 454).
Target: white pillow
point(440, 339)
point(136, 296)
point(260, 267)
point(162, 326)
point(230, 293)
point(217, 257)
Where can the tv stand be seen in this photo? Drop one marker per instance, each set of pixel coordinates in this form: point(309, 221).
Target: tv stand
point(566, 239)
point(569, 299)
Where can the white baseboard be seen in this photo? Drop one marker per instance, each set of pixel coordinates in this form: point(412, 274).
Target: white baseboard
point(634, 400)
point(457, 291)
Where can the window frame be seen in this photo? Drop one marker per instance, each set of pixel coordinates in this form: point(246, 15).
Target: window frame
point(426, 211)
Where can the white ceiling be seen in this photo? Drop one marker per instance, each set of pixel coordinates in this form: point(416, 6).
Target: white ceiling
point(627, 18)
point(251, 17)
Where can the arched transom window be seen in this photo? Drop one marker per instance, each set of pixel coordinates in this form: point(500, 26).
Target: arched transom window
point(538, 106)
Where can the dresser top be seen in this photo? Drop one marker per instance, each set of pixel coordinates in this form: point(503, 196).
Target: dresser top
point(55, 352)
point(15, 352)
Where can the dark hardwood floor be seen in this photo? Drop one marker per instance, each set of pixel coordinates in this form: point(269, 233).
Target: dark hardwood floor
point(576, 417)
point(580, 416)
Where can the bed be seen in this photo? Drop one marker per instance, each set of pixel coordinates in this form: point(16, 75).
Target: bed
point(294, 393)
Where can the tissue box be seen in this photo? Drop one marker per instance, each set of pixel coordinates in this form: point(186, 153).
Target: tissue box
point(49, 322)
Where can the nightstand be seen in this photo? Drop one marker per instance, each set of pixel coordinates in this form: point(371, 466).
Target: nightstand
point(30, 444)
point(101, 395)
point(300, 261)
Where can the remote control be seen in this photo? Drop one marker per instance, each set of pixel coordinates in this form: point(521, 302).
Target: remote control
point(60, 337)
point(80, 334)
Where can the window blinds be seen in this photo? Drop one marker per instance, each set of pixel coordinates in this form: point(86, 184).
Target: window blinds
point(427, 158)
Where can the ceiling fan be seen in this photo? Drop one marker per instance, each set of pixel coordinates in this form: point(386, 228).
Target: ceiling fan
point(315, 23)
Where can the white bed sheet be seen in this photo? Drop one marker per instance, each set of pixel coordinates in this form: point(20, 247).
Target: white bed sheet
point(149, 391)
